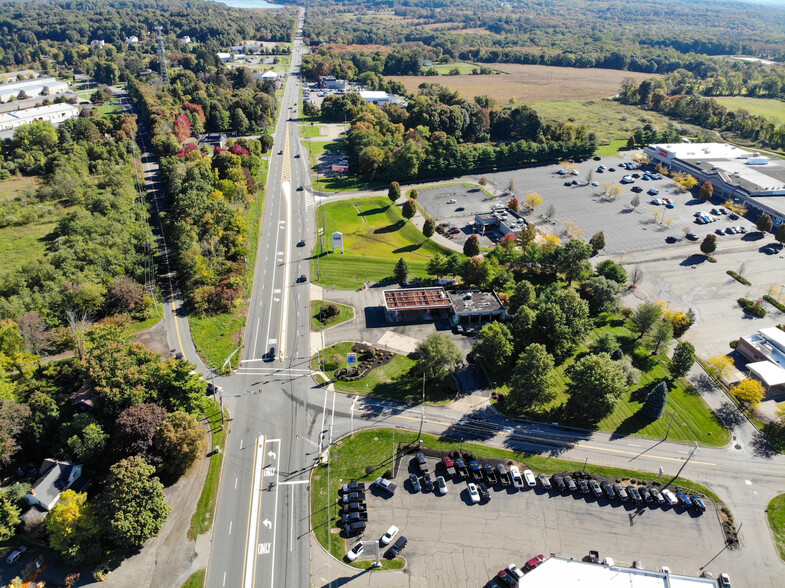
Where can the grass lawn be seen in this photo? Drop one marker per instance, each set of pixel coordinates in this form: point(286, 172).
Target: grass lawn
point(375, 235)
point(611, 149)
point(196, 580)
point(345, 313)
point(394, 380)
point(776, 514)
point(318, 148)
point(694, 420)
point(464, 68)
point(610, 120)
point(772, 109)
point(310, 131)
point(139, 326)
point(110, 108)
point(202, 519)
point(375, 448)
point(338, 184)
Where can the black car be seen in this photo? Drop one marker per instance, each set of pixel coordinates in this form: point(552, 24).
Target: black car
point(597, 158)
point(301, 243)
point(463, 471)
point(692, 236)
point(558, 481)
point(506, 578)
point(415, 483)
point(485, 494)
point(733, 216)
point(584, 486)
point(355, 507)
point(768, 250)
point(460, 209)
point(353, 497)
point(610, 169)
point(636, 189)
point(354, 517)
point(353, 529)
point(270, 356)
point(645, 494)
point(608, 490)
point(397, 547)
point(568, 183)
point(427, 483)
point(636, 498)
point(297, 156)
point(671, 239)
point(353, 487)
point(490, 474)
point(422, 464)
point(299, 188)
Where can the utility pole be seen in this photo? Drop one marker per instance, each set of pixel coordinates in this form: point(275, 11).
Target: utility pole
point(422, 411)
point(668, 432)
point(163, 68)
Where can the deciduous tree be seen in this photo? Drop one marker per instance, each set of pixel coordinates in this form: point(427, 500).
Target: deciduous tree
point(134, 430)
point(9, 517)
point(706, 191)
point(613, 271)
point(436, 355)
point(749, 391)
point(177, 444)
point(780, 235)
point(597, 384)
point(524, 295)
point(495, 346)
point(709, 245)
point(597, 242)
point(603, 295)
point(720, 366)
point(532, 379)
point(513, 204)
point(645, 316)
point(74, 529)
point(13, 418)
point(764, 223)
point(533, 200)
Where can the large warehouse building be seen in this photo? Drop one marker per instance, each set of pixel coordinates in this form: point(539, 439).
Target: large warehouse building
point(756, 180)
point(54, 113)
point(32, 89)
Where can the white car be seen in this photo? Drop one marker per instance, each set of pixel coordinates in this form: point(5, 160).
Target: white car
point(670, 497)
point(442, 485)
point(574, 172)
point(389, 535)
point(515, 571)
point(452, 201)
point(595, 184)
point(725, 581)
point(528, 475)
point(665, 570)
point(355, 551)
point(473, 494)
point(515, 474)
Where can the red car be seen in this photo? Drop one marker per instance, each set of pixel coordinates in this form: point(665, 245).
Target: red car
point(454, 231)
point(534, 562)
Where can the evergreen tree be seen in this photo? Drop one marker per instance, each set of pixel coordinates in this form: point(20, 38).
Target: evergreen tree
point(683, 359)
point(409, 209)
point(428, 228)
point(472, 246)
point(401, 271)
point(394, 192)
point(655, 401)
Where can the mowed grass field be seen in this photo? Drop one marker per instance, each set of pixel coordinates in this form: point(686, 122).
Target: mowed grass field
point(375, 236)
point(464, 67)
point(532, 83)
point(769, 108)
point(21, 244)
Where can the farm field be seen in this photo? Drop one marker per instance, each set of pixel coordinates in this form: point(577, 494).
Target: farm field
point(771, 109)
point(532, 83)
point(375, 235)
point(463, 67)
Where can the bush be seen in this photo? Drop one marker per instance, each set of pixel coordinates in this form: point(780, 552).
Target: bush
point(733, 344)
point(754, 308)
point(774, 302)
point(738, 278)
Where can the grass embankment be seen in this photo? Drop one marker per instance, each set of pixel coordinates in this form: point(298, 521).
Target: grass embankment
point(374, 447)
point(215, 337)
point(394, 380)
point(196, 580)
point(769, 108)
point(375, 235)
point(345, 313)
point(694, 420)
point(611, 148)
point(776, 515)
point(202, 519)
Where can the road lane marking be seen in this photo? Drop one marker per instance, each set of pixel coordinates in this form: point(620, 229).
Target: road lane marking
point(285, 188)
point(275, 516)
point(235, 483)
point(253, 514)
point(230, 528)
point(292, 482)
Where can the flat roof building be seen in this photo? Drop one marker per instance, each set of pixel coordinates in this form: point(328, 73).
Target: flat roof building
point(469, 305)
point(557, 572)
point(757, 180)
point(32, 88)
point(416, 304)
point(54, 113)
point(766, 352)
point(372, 97)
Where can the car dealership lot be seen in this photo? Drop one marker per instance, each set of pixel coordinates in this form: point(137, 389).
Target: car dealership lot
point(454, 542)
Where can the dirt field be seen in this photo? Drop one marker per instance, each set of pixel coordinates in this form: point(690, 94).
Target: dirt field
point(533, 83)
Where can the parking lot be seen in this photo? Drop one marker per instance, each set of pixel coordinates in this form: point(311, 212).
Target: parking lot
point(454, 542)
point(626, 228)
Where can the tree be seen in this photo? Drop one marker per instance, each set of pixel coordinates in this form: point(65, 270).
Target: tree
point(514, 204)
point(472, 246)
point(88, 446)
point(74, 529)
point(135, 428)
point(13, 418)
point(494, 347)
point(662, 332)
point(572, 258)
point(683, 359)
point(532, 378)
point(706, 191)
point(597, 242)
point(655, 401)
point(435, 355)
point(780, 235)
point(645, 316)
point(428, 228)
point(597, 384)
point(9, 517)
point(409, 209)
point(527, 235)
point(401, 271)
point(533, 200)
point(613, 271)
point(764, 223)
point(413, 194)
point(35, 332)
point(133, 503)
point(177, 444)
point(749, 391)
point(606, 342)
point(637, 276)
point(437, 265)
point(709, 245)
point(523, 295)
point(604, 295)
point(561, 323)
point(720, 366)
point(635, 202)
point(453, 266)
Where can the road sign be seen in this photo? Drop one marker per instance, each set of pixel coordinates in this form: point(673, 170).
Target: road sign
point(351, 359)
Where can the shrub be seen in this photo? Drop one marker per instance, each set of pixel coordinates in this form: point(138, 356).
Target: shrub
point(774, 302)
point(755, 308)
point(738, 278)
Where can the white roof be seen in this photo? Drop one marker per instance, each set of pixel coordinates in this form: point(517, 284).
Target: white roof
point(269, 75)
point(33, 113)
point(701, 150)
point(566, 572)
point(775, 335)
point(373, 95)
point(767, 372)
point(17, 87)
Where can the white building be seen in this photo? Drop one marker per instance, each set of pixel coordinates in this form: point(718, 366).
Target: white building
point(32, 89)
point(379, 98)
point(225, 57)
point(132, 39)
point(756, 180)
point(97, 43)
point(268, 75)
point(13, 76)
point(185, 39)
point(54, 113)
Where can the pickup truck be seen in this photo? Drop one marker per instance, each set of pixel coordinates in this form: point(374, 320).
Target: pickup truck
point(463, 471)
point(354, 517)
point(386, 485)
point(449, 466)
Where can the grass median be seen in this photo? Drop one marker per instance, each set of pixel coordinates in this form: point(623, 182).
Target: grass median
point(776, 515)
point(345, 313)
point(375, 448)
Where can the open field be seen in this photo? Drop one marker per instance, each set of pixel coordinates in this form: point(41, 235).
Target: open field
point(110, 108)
point(465, 68)
point(375, 235)
point(772, 109)
point(531, 83)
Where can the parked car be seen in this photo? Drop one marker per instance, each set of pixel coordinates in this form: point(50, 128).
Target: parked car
point(595, 184)
point(637, 189)
point(656, 201)
point(515, 571)
point(460, 209)
point(389, 535)
point(422, 463)
point(733, 216)
point(657, 495)
point(608, 490)
point(515, 474)
point(507, 579)
point(634, 495)
point(670, 497)
point(485, 494)
point(474, 495)
point(442, 485)
point(476, 471)
point(558, 481)
point(653, 192)
point(692, 236)
point(415, 483)
point(452, 201)
point(627, 180)
point(454, 231)
point(353, 487)
point(571, 486)
point(386, 485)
point(697, 502)
point(353, 497)
point(301, 243)
point(534, 562)
point(463, 471)
point(725, 581)
point(427, 483)
point(16, 555)
point(546, 483)
point(741, 229)
point(528, 477)
point(397, 547)
point(490, 474)
point(354, 517)
point(583, 486)
point(768, 250)
point(449, 466)
point(354, 529)
point(645, 494)
point(568, 183)
point(355, 551)
point(354, 507)
point(620, 491)
point(504, 477)
point(684, 499)
point(595, 488)
point(302, 279)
